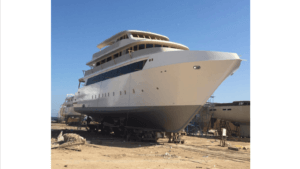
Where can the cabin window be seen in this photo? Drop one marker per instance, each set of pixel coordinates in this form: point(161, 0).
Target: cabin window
point(103, 61)
point(148, 37)
point(135, 48)
point(117, 72)
point(98, 63)
point(157, 46)
point(118, 39)
point(135, 35)
point(133, 91)
point(120, 53)
point(120, 92)
point(165, 46)
point(149, 45)
point(126, 36)
point(141, 46)
point(229, 109)
point(125, 92)
point(121, 38)
point(141, 36)
point(224, 109)
point(108, 59)
point(113, 93)
point(116, 55)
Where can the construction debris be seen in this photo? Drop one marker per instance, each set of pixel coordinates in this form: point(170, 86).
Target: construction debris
point(71, 141)
point(60, 137)
point(233, 148)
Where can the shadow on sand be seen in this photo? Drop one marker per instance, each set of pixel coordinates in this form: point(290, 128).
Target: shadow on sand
point(104, 140)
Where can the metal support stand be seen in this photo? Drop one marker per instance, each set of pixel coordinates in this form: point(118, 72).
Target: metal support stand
point(223, 138)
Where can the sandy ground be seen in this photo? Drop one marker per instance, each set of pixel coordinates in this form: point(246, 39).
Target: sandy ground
point(111, 152)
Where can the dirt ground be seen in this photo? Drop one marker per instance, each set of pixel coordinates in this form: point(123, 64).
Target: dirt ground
point(112, 152)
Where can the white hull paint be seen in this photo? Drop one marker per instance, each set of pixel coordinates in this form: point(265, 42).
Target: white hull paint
point(169, 80)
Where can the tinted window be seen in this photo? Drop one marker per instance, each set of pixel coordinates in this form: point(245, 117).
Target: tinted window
point(126, 36)
point(142, 46)
point(135, 35)
point(141, 36)
point(165, 46)
point(108, 59)
point(116, 55)
point(121, 38)
point(103, 61)
point(120, 53)
point(149, 45)
point(116, 72)
point(157, 45)
point(135, 48)
point(98, 63)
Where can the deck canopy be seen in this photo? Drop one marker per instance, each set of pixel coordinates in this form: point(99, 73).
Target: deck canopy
point(112, 39)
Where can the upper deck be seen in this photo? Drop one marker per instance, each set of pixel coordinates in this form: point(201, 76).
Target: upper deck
point(125, 34)
point(120, 43)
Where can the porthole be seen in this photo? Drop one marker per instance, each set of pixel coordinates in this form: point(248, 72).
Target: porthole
point(196, 67)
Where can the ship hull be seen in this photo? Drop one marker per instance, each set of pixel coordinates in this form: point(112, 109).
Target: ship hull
point(164, 118)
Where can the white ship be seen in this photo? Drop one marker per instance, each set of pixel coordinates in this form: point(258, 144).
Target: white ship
point(237, 112)
point(141, 79)
point(66, 112)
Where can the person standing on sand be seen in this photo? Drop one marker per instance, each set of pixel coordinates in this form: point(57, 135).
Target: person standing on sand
point(88, 120)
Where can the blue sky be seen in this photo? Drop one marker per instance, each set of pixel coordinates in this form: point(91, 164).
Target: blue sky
point(77, 26)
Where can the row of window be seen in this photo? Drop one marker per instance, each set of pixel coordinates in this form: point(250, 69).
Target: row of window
point(146, 36)
point(113, 94)
point(131, 49)
point(122, 37)
point(117, 72)
point(216, 109)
